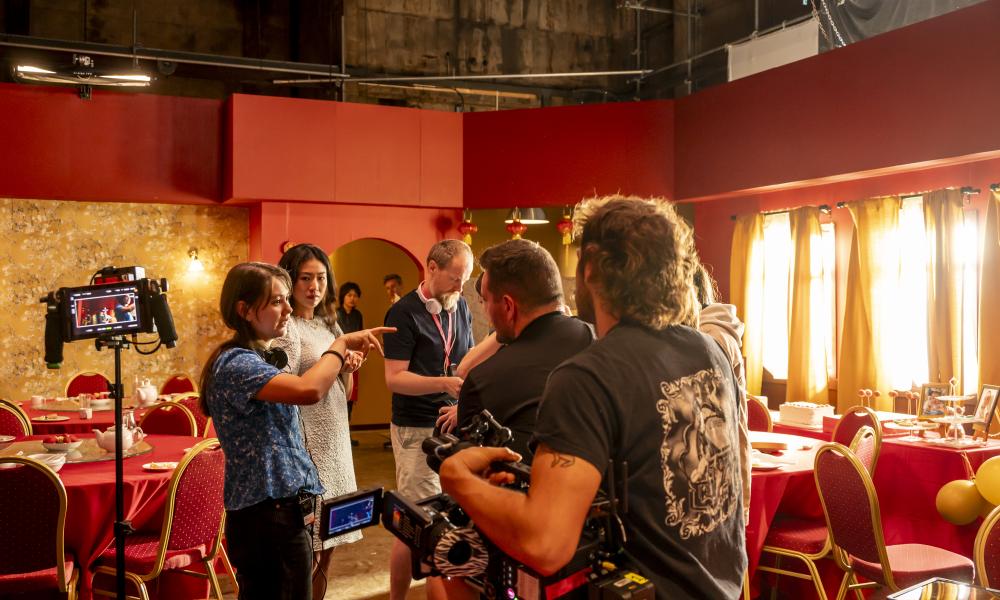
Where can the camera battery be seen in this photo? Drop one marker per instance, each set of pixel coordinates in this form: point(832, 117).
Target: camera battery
point(620, 585)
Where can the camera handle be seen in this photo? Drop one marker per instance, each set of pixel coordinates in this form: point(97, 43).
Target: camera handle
point(122, 527)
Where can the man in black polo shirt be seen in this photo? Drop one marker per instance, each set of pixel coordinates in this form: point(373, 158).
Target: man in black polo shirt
point(433, 334)
point(522, 295)
point(651, 392)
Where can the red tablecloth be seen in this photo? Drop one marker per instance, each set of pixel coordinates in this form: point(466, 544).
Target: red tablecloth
point(907, 479)
point(789, 490)
point(90, 494)
point(74, 424)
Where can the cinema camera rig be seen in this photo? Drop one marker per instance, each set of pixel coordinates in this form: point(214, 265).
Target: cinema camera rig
point(445, 542)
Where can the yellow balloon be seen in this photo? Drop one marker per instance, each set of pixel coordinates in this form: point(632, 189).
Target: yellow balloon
point(959, 502)
point(987, 509)
point(988, 480)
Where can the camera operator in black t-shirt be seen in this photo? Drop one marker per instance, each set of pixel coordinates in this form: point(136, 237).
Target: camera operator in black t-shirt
point(650, 392)
point(522, 295)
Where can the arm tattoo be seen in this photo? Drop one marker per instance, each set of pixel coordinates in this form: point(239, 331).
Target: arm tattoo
point(558, 460)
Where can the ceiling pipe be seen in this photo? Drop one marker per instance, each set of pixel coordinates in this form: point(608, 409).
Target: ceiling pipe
point(175, 56)
point(663, 11)
point(421, 78)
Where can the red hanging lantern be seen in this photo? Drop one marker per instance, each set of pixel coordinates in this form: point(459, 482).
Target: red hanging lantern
point(565, 227)
point(516, 229)
point(467, 227)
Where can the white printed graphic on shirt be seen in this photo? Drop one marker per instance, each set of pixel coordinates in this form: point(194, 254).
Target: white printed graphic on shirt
point(697, 457)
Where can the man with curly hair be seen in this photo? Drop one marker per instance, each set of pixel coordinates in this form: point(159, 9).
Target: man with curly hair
point(652, 392)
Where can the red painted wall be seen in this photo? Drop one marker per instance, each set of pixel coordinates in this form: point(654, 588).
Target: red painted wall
point(316, 151)
point(328, 226)
point(560, 155)
point(921, 93)
point(116, 146)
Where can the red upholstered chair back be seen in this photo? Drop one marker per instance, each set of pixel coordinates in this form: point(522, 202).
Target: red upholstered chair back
point(854, 419)
point(850, 504)
point(192, 402)
point(87, 382)
point(987, 550)
point(13, 421)
point(758, 415)
point(169, 418)
point(32, 516)
point(197, 499)
point(866, 445)
point(178, 384)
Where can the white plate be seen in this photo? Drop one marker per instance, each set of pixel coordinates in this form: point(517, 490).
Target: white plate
point(761, 466)
point(50, 418)
point(160, 466)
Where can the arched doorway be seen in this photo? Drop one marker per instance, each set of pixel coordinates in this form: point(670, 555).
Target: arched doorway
point(366, 262)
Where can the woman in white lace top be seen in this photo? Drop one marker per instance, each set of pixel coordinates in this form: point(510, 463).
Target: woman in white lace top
point(311, 330)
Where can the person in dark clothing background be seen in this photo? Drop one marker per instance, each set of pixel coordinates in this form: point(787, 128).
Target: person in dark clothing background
point(522, 294)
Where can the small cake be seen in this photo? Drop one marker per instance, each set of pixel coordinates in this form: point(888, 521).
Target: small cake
point(805, 414)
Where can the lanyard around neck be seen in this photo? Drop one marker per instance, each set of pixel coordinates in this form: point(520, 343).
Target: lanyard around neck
point(448, 341)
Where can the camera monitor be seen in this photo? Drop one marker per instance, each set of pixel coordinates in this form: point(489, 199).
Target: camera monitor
point(101, 310)
point(350, 512)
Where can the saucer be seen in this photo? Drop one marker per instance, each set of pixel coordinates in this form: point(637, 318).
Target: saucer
point(50, 418)
point(160, 466)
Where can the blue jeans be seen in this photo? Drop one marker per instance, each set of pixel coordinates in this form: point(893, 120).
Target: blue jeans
point(271, 550)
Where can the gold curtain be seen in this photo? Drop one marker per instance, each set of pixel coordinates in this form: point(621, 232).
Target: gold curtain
point(746, 291)
point(871, 278)
point(943, 220)
point(807, 323)
point(989, 291)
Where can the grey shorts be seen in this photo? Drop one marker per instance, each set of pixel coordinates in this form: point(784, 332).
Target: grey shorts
point(414, 479)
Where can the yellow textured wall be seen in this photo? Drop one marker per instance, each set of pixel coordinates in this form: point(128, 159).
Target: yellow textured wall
point(366, 262)
point(48, 244)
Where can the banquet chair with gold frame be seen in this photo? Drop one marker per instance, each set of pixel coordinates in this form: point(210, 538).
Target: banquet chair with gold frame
point(192, 401)
point(758, 414)
point(178, 383)
point(808, 540)
point(32, 516)
point(169, 418)
point(13, 421)
point(87, 382)
point(851, 421)
point(854, 521)
point(191, 532)
point(986, 551)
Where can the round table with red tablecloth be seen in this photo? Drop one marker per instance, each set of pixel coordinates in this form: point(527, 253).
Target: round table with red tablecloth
point(90, 507)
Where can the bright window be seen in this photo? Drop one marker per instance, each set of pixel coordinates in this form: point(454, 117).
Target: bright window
point(971, 248)
point(777, 260)
point(902, 300)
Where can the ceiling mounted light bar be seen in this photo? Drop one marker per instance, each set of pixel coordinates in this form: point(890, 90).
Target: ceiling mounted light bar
point(497, 76)
point(174, 56)
point(82, 71)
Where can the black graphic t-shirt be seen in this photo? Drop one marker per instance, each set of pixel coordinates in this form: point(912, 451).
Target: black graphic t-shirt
point(665, 402)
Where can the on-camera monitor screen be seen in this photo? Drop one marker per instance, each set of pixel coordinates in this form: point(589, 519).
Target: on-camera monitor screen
point(349, 515)
point(100, 310)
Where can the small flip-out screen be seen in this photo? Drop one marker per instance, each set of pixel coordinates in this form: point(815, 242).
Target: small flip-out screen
point(350, 512)
point(99, 310)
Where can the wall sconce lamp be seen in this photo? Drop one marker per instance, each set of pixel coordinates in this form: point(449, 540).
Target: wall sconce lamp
point(195, 266)
point(528, 216)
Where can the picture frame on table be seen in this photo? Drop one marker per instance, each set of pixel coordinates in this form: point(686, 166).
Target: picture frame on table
point(986, 408)
point(930, 407)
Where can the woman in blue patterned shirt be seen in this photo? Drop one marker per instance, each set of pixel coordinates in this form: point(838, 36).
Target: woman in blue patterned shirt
point(254, 408)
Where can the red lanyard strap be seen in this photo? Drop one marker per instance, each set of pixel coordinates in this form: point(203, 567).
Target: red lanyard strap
point(448, 341)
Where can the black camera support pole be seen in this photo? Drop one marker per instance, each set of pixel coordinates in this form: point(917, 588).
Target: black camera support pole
point(122, 527)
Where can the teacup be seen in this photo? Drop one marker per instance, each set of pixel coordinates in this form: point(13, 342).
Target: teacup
point(86, 413)
point(37, 401)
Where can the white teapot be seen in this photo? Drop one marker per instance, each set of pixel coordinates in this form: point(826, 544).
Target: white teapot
point(106, 439)
point(145, 393)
